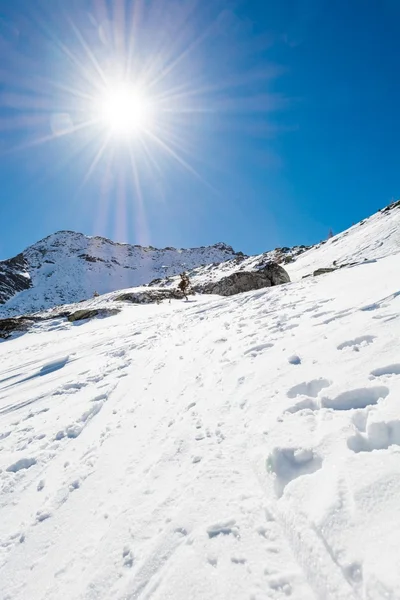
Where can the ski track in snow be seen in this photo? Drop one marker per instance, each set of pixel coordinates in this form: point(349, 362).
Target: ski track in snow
point(236, 448)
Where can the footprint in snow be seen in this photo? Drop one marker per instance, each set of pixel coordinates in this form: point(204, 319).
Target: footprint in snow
point(288, 464)
point(355, 399)
point(308, 388)
point(351, 399)
point(238, 560)
point(338, 315)
point(374, 433)
point(380, 304)
point(255, 350)
point(223, 528)
point(22, 463)
point(357, 343)
point(388, 370)
point(322, 314)
point(281, 583)
point(304, 404)
point(42, 515)
point(127, 557)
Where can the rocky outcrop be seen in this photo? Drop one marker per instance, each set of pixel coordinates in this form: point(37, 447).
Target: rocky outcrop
point(324, 270)
point(245, 281)
point(150, 296)
point(84, 314)
point(22, 324)
point(15, 325)
point(391, 206)
point(14, 277)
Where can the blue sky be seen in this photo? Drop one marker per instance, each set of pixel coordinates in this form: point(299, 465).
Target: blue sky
point(272, 120)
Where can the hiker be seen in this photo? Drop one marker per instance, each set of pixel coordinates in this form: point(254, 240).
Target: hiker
point(184, 284)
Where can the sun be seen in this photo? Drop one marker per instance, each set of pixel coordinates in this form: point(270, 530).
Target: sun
point(125, 110)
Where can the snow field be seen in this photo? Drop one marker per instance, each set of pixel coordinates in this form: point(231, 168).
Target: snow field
point(221, 448)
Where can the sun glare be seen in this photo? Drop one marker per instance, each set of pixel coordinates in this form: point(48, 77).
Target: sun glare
point(126, 111)
point(142, 88)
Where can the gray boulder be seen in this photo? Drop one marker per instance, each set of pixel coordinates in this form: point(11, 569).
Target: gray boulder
point(81, 315)
point(149, 296)
point(324, 270)
point(244, 281)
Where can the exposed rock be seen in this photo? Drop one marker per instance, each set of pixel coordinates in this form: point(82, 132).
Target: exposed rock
point(13, 277)
point(23, 323)
point(15, 324)
point(244, 281)
point(89, 258)
point(151, 296)
point(391, 206)
point(322, 271)
point(80, 315)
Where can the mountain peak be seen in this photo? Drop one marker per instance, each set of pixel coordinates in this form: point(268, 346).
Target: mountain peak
point(68, 266)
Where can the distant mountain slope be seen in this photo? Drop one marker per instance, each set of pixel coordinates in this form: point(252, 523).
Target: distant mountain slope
point(68, 267)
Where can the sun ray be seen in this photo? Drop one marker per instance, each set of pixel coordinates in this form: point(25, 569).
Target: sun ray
point(94, 163)
point(141, 229)
point(184, 54)
point(182, 162)
point(150, 157)
point(48, 138)
point(105, 201)
point(89, 53)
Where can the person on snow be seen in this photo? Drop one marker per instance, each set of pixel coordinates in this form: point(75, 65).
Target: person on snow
point(184, 284)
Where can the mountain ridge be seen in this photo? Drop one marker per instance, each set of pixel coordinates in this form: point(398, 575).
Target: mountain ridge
point(67, 267)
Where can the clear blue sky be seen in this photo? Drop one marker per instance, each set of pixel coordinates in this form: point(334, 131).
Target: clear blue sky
point(272, 120)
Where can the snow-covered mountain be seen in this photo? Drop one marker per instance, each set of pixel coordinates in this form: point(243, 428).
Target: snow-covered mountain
point(224, 448)
point(68, 267)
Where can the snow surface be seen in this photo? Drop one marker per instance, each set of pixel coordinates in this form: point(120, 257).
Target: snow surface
point(218, 449)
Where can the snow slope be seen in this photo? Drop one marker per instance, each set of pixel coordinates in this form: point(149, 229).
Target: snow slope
point(68, 267)
point(219, 449)
point(373, 238)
